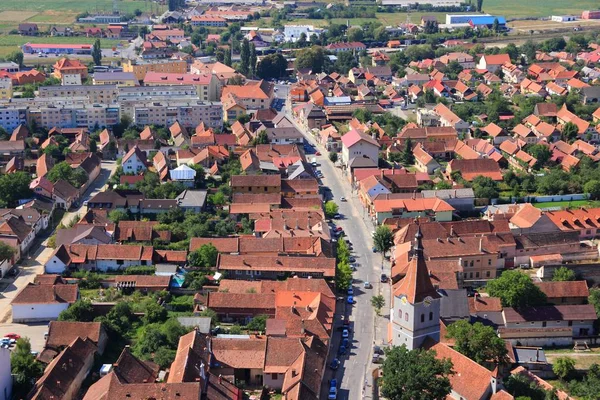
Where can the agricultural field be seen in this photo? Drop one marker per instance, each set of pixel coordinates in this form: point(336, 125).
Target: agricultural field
point(520, 8)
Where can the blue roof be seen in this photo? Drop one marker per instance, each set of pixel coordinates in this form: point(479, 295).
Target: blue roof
point(485, 20)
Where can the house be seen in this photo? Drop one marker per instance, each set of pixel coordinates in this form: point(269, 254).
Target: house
point(192, 200)
point(64, 194)
point(460, 199)
point(448, 118)
point(62, 333)
point(590, 95)
point(64, 376)
point(36, 303)
point(69, 66)
point(568, 292)
point(102, 257)
point(134, 161)
point(28, 29)
point(492, 63)
point(582, 220)
point(470, 169)
point(61, 31)
point(284, 135)
point(272, 267)
point(548, 325)
point(358, 145)
point(13, 227)
point(346, 46)
point(254, 95)
point(411, 208)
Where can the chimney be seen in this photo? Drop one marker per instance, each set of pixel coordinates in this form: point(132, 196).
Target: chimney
point(382, 174)
point(302, 330)
point(451, 230)
point(480, 245)
point(220, 379)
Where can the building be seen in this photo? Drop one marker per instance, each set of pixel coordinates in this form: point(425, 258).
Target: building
point(67, 66)
point(96, 94)
point(115, 78)
point(293, 32)
point(590, 14)
point(358, 145)
point(415, 313)
point(10, 67)
point(208, 20)
point(6, 88)
point(254, 95)
point(6, 379)
point(62, 333)
point(346, 46)
point(433, 3)
point(274, 267)
point(104, 257)
point(140, 68)
point(36, 303)
point(101, 19)
point(134, 161)
point(207, 85)
point(563, 18)
point(435, 208)
point(33, 48)
point(188, 113)
point(492, 63)
point(28, 29)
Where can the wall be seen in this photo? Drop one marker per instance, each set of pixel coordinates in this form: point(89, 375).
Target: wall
point(271, 383)
point(54, 266)
point(5, 376)
point(37, 312)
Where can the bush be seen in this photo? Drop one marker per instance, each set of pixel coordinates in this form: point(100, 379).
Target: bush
point(182, 303)
point(140, 270)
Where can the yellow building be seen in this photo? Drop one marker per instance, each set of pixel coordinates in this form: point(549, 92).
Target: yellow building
point(6, 88)
point(115, 78)
point(140, 68)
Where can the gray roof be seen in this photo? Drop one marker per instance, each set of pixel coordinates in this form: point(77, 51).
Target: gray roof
point(111, 76)
point(191, 198)
point(283, 133)
point(530, 355)
point(445, 194)
point(592, 91)
point(454, 304)
point(80, 232)
point(203, 323)
point(361, 162)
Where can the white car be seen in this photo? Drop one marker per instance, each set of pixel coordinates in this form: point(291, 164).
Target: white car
point(343, 199)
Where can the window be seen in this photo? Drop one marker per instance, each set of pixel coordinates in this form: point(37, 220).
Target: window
point(422, 317)
point(431, 316)
point(406, 317)
point(477, 274)
point(399, 311)
point(487, 274)
point(471, 263)
point(490, 261)
point(544, 324)
point(274, 376)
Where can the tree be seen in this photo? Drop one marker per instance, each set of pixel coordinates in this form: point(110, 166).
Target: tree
point(252, 59)
point(333, 156)
point(14, 187)
point(343, 275)
point(594, 299)
point(80, 311)
point(214, 319)
point(118, 215)
point(345, 62)
point(313, 58)
point(415, 375)
point(154, 312)
point(521, 387)
point(245, 57)
point(407, 156)
point(6, 252)
point(563, 367)
point(592, 188)
point(378, 302)
point(24, 367)
point(119, 318)
point(355, 34)
point(477, 341)
point(258, 323)
point(515, 289)
point(150, 340)
point(479, 5)
point(331, 209)
point(563, 274)
point(164, 357)
point(227, 58)
point(301, 40)
point(205, 256)
point(271, 66)
point(97, 52)
point(383, 239)
point(540, 152)
point(16, 57)
point(485, 187)
point(63, 170)
point(569, 132)
point(496, 25)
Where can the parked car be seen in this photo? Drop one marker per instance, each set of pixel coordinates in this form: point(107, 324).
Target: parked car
point(335, 363)
point(345, 333)
point(350, 300)
point(346, 343)
point(337, 216)
point(352, 259)
point(376, 359)
point(377, 350)
point(384, 278)
point(343, 199)
point(367, 285)
point(374, 249)
point(12, 336)
point(350, 291)
point(332, 393)
point(339, 229)
point(342, 350)
point(318, 153)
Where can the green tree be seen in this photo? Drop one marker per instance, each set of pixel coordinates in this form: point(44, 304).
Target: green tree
point(313, 58)
point(14, 187)
point(62, 170)
point(479, 5)
point(164, 357)
point(331, 209)
point(496, 25)
point(271, 66)
point(343, 252)
point(594, 299)
point(378, 302)
point(245, 57)
point(515, 289)
point(563, 274)
point(205, 256)
point(345, 62)
point(150, 340)
point(407, 157)
point(415, 375)
point(355, 34)
point(16, 57)
point(80, 311)
point(119, 318)
point(541, 153)
point(477, 341)
point(383, 239)
point(97, 52)
point(485, 187)
point(252, 60)
point(24, 367)
point(227, 59)
point(118, 215)
point(258, 323)
point(592, 188)
point(521, 387)
point(154, 312)
point(207, 312)
point(563, 367)
point(343, 276)
point(6, 252)
point(333, 156)
point(569, 132)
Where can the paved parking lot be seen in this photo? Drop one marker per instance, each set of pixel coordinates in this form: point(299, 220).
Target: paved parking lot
point(35, 333)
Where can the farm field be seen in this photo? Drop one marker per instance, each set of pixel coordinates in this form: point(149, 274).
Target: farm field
point(520, 8)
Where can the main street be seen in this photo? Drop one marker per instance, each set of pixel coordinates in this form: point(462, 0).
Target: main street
point(30, 266)
point(354, 373)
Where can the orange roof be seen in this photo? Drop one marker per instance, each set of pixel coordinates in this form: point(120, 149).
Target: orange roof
point(412, 205)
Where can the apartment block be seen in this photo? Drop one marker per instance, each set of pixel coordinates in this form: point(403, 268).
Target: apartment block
point(188, 114)
point(101, 94)
point(140, 68)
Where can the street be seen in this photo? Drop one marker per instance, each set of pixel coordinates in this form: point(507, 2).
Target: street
point(354, 372)
point(31, 266)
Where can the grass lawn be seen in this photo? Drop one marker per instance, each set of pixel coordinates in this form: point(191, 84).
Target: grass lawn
point(583, 360)
point(566, 204)
point(77, 6)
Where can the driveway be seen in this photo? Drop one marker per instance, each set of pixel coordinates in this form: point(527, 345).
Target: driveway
point(35, 333)
point(355, 369)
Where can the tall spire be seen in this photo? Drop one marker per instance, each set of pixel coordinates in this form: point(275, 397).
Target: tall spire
point(416, 285)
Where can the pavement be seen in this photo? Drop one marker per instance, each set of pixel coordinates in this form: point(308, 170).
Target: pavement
point(35, 333)
point(32, 265)
point(354, 373)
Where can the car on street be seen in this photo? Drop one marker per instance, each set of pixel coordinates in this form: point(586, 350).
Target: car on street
point(339, 229)
point(335, 363)
point(346, 343)
point(318, 153)
point(374, 249)
point(343, 199)
point(350, 291)
point(345, 333)
point(377, 350)
point(350, 300)
point(367, 285)
point(384, 278)
point(376, 359)
point(342, 350)
point(332, 393)
point(12, 336)
point(337, 216)
point(352, 259)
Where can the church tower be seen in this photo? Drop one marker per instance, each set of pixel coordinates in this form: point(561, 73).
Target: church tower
point(415, 313)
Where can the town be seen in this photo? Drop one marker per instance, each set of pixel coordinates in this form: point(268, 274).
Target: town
point(294, 201)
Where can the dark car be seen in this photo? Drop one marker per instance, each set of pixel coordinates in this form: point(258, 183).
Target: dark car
point(335, 363)
point(342, 350)
point(384, 278)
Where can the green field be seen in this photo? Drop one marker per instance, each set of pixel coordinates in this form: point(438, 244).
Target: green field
point(74, 6)
point(520, 8)
point(565, 204)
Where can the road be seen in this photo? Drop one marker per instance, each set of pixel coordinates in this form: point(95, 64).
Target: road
point(355, 369)
point(34, 265)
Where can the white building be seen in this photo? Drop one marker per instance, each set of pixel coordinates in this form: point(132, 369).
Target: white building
point(434, 3)
point(42, 302)
point(71, 79)
point(563, 18)
point(293, 32)
point(5, 376)
point(134, 161)
point(358, 145)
